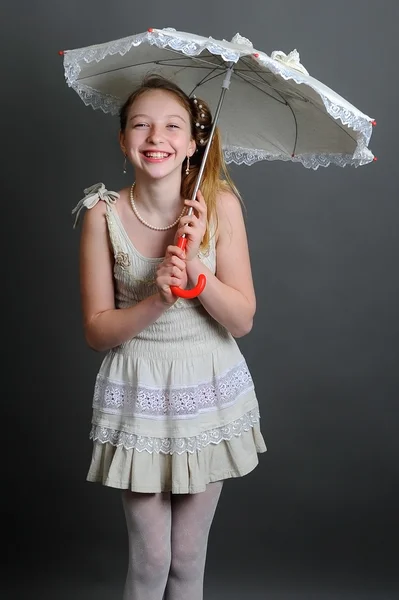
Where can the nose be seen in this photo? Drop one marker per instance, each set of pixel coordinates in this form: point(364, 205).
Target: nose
point(154, 135)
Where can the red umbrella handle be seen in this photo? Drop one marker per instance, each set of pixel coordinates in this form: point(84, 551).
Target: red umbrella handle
point(195, 291)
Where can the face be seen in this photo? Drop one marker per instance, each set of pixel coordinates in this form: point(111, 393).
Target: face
point(157, 138)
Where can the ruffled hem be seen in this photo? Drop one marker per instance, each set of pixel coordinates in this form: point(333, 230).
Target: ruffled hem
point(188, 473)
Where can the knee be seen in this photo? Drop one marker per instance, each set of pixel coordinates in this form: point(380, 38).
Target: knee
point(152, 562)
point(159, 558)
point(185, 557)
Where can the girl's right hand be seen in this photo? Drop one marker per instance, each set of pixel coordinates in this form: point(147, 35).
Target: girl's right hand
point(171, 271)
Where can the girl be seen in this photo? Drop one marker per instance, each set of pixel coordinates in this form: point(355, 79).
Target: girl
point(174, 409)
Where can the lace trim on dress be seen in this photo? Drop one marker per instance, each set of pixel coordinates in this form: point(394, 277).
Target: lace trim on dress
point(120, 397)
point(175, 445)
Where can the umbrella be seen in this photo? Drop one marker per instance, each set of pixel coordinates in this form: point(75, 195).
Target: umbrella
point(275, 110)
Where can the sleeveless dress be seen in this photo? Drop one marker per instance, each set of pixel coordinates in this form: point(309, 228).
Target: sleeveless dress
point(174, 408)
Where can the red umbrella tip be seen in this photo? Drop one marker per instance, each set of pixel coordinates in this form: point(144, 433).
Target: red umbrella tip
point(150, 30)
point(256, 54)
point(61, 52)
point(374, 123)
point(375, 159)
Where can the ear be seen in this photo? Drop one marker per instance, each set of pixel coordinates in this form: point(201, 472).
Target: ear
point(191, 148)
point(122, 141)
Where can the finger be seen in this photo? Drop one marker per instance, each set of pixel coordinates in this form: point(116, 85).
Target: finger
point(175, 251)
point(176, 272)
point(178, 263)
point(200, 197)
point(199, 207)
point(189, 220)
point(168, 281)
point(187, 231)
point(175, 281)
point(198, 212)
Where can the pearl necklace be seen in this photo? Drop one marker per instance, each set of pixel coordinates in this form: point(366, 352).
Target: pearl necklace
point(140, 218)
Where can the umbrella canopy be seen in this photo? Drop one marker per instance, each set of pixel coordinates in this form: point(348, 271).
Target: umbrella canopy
point(274, 110)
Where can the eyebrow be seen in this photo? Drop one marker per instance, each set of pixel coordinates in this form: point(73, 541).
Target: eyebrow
point(167, 116)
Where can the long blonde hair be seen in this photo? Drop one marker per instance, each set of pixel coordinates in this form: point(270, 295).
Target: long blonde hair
point(211, 183)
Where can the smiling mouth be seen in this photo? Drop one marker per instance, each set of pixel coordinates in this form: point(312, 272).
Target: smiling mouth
point(156, 155)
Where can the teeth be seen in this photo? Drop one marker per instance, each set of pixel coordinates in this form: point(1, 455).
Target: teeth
point(156, 154)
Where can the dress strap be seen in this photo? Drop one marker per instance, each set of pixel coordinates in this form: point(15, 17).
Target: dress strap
point(92, 195)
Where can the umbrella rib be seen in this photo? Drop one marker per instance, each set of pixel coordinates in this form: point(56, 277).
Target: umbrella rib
point(192, 58)
point(251, 68)
point(221, 66)
point(286, 103)
point(304, 99)
point(283, 101)
point(208, 77)
point(261, 79)
point(197, 58)
point(238, 71)
point(181, 66)
point(204, 80)
point(162, 62)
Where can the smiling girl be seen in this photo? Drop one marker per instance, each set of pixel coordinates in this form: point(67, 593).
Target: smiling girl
point(174, 410)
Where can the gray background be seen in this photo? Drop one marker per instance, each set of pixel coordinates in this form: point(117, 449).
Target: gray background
point(318, 518)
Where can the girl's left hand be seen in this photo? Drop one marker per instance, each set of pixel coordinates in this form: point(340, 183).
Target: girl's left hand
point(194, 226)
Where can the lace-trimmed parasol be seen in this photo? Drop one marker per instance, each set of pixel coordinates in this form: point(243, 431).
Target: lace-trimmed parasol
point(275, 110)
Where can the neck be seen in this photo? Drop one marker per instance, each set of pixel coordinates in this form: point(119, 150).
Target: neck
point(159, 195)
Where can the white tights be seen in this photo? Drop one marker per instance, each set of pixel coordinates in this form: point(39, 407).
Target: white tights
point(168, 537)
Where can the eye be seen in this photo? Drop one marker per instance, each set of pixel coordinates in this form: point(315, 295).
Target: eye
point(173, 126)
point(140, 125)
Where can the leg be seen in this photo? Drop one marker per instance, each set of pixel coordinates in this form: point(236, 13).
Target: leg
point(192, 516)
point(148, 520)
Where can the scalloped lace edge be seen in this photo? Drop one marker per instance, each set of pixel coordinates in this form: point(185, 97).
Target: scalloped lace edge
point(358, 122)
point(158, 38)
point(139, 443)
point(249, 156)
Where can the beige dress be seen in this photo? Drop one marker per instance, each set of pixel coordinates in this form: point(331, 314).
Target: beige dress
point(174, 408)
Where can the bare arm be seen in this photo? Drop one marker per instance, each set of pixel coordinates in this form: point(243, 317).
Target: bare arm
point(229, 297)
point(105, 326)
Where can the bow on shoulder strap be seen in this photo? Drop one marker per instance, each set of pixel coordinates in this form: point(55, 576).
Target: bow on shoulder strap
point(92, 195)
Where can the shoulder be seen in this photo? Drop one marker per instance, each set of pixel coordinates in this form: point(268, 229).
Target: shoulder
point(91, 201)
point(229, 212)
point(103, 211)
point(226, 200)
point(94, 220)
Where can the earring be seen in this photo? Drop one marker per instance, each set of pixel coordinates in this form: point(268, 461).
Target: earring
point(124, 166)
point(188, 165)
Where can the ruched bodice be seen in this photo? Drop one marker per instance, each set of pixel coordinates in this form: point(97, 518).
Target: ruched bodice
point(184, 323)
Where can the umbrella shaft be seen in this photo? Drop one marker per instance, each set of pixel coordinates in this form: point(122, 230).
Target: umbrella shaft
point(225, 87)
